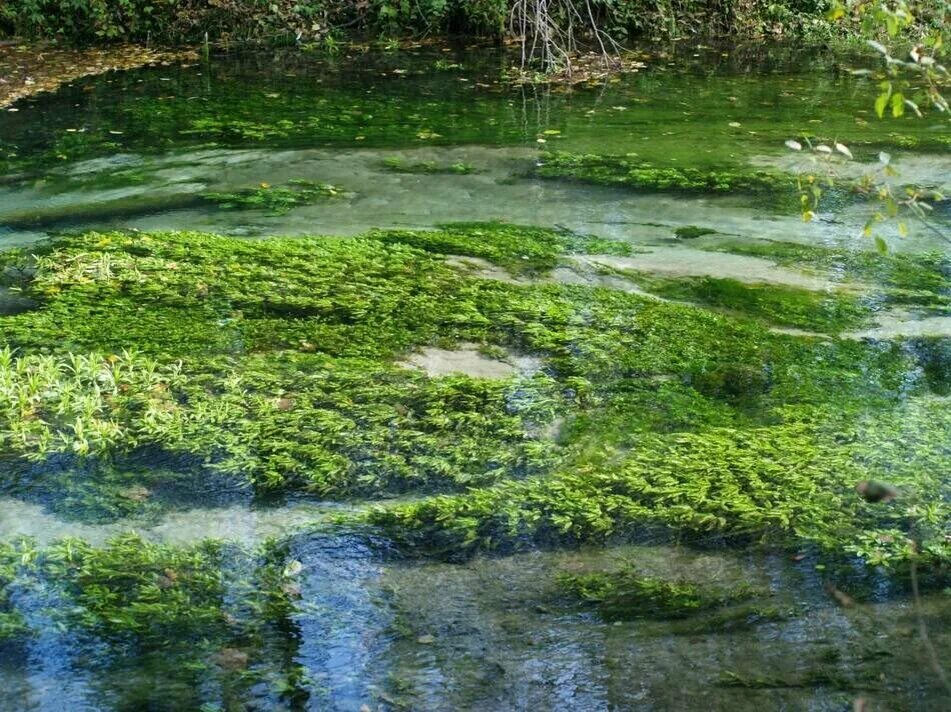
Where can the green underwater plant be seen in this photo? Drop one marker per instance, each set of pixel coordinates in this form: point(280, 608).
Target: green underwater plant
point(276, 200)
point(628, 594)
point(395, 164)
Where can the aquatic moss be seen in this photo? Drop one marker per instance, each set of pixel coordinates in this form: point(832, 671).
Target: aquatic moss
point(628, 594)
point(12, 558)
point(187, 293)
point(691, 232)
point(829, 312)
point(149, 591)
point(732, 619)
point(208, 611)
point(330, 426)
point(80, 404)
point(518, 248)
point(277, 336)
point(640, 175)
point(782, 482)
point(341, 427)
point(398, 165)
point(276, 200)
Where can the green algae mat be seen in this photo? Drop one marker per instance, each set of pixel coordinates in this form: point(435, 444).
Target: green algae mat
point(261, 450)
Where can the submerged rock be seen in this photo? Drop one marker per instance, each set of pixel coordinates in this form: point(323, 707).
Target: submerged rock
point(468, 360)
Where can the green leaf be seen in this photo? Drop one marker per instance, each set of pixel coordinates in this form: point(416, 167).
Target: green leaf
point(881, 245)
point(881, 102)
point(898, 105)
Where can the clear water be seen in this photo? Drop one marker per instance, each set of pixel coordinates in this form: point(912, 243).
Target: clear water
point(136, 150)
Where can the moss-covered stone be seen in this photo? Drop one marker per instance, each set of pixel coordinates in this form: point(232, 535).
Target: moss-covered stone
point(691, 232)
point(398, 165)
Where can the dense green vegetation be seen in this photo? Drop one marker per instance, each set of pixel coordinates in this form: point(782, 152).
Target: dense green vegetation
point(635, 173)
point(276, 364)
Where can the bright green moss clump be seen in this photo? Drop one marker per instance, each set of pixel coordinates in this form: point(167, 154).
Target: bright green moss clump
point(636, 174)
point(278, 364)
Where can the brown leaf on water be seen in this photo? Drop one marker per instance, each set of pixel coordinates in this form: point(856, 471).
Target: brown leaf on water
point(840, 597)
point(231, 659)
point(874, 491)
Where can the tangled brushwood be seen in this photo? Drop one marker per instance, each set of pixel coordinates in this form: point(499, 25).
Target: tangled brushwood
point(551, 30)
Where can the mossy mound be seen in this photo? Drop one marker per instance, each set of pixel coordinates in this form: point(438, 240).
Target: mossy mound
point(398, 165)
point(627, 594)
point(275, 200)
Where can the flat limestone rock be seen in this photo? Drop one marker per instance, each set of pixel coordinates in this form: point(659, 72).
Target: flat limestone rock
point(467, 360)
point(893, 326)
